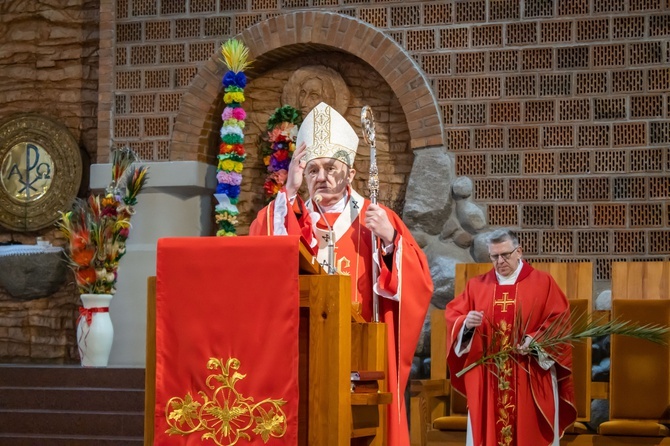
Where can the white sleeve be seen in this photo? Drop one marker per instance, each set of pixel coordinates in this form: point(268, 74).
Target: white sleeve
point(460, 349)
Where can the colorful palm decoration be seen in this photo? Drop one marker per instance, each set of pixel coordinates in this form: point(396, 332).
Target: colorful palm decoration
point(277, 149)
point(97, 228)
point(231, 150)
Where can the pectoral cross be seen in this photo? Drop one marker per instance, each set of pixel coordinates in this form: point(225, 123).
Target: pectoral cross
point(504, 302)
point(326, 237)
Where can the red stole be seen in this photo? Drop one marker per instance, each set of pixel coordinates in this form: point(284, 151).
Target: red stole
point(504, 374)
point(353, 256)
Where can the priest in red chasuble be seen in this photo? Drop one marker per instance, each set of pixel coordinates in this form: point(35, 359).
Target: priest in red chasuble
point(326, 147)
point(527, 397)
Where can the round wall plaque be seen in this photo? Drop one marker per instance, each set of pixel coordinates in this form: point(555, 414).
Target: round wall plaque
point(40, 172)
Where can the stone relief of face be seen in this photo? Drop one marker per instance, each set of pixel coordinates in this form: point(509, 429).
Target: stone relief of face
point(311, 94)
point(307, 86)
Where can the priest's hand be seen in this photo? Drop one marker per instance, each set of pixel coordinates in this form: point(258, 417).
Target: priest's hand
point(377, 220)
point(295, 170)
point(524, 348)
point(474, 319)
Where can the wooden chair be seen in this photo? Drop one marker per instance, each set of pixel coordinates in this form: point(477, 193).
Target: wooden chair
point(429, 397)
point(575, 279)
point(639, 370)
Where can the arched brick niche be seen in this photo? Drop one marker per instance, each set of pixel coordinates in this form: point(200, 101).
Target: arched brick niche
point(378, 71)
point(299, 33)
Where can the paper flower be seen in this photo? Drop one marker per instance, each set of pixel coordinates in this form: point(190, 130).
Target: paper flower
point(278, 147)
point(231, 150)
point(97, 228)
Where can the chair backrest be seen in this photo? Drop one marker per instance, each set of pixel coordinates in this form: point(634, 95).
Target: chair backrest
point(581, 361)
point(576, 281)
point(641, 280)
point(438, 344)
point(639, 369)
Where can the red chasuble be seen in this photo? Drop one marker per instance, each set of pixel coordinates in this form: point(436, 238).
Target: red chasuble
point(227, 341)
point(511, 403)
point(405, 289)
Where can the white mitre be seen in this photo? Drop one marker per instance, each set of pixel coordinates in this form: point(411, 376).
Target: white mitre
point(328, 135)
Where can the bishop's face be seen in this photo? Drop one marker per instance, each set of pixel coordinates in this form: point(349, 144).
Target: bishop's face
point(505, 257)
point(329, 178)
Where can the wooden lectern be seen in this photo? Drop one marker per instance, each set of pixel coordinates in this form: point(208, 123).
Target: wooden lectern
point(333, 341)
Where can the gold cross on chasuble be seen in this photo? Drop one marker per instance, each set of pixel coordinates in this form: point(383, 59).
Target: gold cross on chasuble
point(504, 302)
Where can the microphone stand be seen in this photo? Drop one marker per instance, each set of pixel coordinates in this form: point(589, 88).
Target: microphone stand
point(331, 236)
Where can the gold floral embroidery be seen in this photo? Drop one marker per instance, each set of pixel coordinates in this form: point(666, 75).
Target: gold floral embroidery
point(504, 373)
point(225, 416)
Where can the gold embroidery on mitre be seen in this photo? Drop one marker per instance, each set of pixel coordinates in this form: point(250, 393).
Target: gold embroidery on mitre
point(225, 416)
point(327, 134)
point(321, 132)
point(324, 144)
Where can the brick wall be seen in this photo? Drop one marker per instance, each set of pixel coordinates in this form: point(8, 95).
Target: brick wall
point(557, 109)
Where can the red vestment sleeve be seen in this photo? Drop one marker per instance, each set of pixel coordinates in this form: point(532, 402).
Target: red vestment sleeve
point(296, 222)
point(411, 281)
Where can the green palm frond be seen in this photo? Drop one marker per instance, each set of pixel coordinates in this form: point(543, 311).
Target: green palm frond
point(562, 331)
point(235, 55)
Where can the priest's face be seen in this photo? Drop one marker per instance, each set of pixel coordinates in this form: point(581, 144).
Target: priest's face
point(505, 257)
point(329, 178)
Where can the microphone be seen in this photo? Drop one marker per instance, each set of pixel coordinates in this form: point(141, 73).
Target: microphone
point(331, 238)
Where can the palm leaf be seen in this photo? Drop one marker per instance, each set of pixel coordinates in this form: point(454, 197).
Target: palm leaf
point(235, 55)
point(560, 332)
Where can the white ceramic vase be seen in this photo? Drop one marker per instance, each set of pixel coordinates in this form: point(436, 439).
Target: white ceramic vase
point(95, 332)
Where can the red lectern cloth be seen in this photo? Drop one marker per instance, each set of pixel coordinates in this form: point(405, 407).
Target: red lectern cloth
point(223, 298)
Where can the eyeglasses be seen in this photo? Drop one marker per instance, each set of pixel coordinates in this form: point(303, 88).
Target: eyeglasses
point(505, 255)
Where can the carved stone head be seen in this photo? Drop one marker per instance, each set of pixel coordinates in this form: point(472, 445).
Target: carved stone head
point(310, 85)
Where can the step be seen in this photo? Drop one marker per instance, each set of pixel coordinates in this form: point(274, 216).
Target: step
point(68, 422)
point(67, 440)
point(82, 399)
point(71, 376)
point(70, 405)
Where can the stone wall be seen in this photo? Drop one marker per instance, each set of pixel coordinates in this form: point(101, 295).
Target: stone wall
point(49, 63)
point(48, 66)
